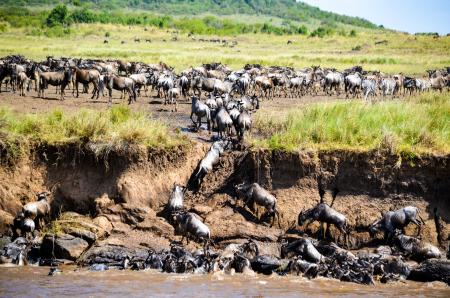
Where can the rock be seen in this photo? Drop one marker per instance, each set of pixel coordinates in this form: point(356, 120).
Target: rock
point(130, 214)
point(102, 203)
point(64, 246)
point(110, 254)
point(432, 270)
point(103, 223)
point(4, 240)
point(6, 221)
point(81, 226)
point(156, 226)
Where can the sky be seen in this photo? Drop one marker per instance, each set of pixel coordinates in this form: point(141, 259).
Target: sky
point(404, 15)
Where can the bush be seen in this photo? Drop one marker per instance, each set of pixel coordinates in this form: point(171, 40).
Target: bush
point(58, 16)
point(352, 33)
point(4, 27)
point(322, 32)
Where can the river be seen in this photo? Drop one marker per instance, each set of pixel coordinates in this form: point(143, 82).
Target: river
point(32, 281)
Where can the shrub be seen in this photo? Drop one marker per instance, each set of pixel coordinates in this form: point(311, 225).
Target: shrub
point(58, 16)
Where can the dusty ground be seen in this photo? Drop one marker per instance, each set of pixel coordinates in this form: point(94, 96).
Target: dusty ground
point(149, 104)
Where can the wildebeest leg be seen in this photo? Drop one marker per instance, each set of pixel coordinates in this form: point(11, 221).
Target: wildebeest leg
point(62, 92)
point(192, 113)
point(199, 120)
point(322, 231)
point(419, 226)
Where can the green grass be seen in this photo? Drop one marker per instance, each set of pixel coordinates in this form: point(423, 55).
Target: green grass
point(403, 53)
point(418, 125)
point(116, 128)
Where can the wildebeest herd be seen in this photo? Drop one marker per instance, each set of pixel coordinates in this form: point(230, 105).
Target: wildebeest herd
point(232, 96)
point(215, 79)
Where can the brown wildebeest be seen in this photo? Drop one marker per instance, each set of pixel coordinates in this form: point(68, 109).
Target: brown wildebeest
point(86, 76)
point(54, 78)
point(122, 84)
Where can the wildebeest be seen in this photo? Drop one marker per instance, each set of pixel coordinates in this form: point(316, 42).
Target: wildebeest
point(209, 161)
point(185, 85)
point(438, 83)
point(59, 78)
point(243, 123)
point(190, 225)
point(122, 84)
point(324, 213)
point(37, 210)
point(415, 249)
point(369, 88)
point(396, 220)
point(87, 76)
point(23, 82)
point(176, 198)
point(265, 86)
point(224, 122)
point(302, 247)
point(353, 83)
point(173, 94)
point(200, 84)
point(201, 110)
point(333, 80)
point(388, 87)
point(253, 194)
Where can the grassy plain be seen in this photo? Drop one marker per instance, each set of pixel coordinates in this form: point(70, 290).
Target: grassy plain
point(415, 125)
point(396, 53)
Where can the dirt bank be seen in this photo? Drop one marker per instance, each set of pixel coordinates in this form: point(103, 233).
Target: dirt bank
point(125, 191)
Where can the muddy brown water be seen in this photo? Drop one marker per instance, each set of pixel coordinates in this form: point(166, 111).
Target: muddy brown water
point(33, 281)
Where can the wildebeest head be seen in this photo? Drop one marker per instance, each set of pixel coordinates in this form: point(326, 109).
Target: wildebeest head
point(42, 195)
point(302, 217)
point(250, 249)
point(374, 228)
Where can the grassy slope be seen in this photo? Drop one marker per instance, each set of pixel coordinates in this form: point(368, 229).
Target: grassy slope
point(403, 53)
point(286, 9)
point(115, 128)
point(416, 125)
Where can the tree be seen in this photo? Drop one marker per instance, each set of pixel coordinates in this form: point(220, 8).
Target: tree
point(58, 16)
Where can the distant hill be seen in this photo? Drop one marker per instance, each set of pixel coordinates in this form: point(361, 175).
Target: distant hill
point(288, 10)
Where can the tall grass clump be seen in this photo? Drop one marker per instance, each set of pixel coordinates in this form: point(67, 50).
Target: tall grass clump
point(421, 125)
point(118, 127)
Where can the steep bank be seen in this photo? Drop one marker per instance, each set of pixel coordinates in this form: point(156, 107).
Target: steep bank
point(125, 192)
